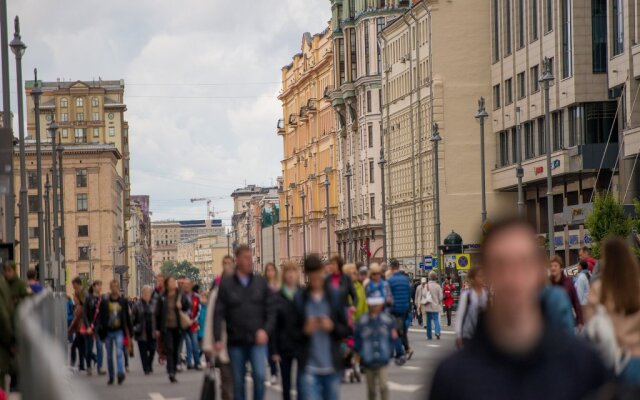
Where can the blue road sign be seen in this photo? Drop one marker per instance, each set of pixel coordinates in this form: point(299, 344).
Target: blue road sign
point(428, 261)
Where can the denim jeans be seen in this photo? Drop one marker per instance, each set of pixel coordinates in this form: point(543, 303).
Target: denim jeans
point(239, 356)
point(99, 352)
point(115, 339)
point(286, 370)
point(193, 350)
point(321, 387)
point(435, 317)
point(631, 373)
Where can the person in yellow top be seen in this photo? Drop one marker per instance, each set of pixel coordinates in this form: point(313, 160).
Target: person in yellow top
point(361, 307)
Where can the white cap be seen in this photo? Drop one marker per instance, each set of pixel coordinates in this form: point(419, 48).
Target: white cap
point(423, 280)
point(375, 301)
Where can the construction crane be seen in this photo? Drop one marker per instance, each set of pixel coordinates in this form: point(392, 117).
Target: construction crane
point(210, 212)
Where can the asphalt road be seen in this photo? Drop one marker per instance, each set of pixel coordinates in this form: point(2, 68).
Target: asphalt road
point(410, 381)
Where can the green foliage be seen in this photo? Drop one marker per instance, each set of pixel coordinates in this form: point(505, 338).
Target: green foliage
point(183, 268)
point(608, 219)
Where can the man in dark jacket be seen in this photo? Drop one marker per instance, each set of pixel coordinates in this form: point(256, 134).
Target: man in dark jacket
point(245, 305)
point(144, 329)
point(91, 319)
point(514, 353)
point(400, 287)
point(17, 287)
point(115, 325)
point(324, 324)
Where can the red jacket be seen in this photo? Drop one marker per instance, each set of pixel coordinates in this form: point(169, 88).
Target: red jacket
point(447, 295)
point(195, 312)
point(591, 263)
point(566, 283)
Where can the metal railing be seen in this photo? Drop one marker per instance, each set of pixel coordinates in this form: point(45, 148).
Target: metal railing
point(42, 349)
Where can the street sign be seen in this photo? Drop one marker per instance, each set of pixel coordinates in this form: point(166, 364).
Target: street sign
point(423, 266)
point(428, 261)
point(463, 262)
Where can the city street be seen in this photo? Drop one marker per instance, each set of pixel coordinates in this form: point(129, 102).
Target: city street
point(410, 381)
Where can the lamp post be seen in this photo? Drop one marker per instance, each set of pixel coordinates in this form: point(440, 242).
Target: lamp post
point(545, 79)
point(328, 216)
point(286, 206)
point(36, 93)
point(348, 174)
point(273, 233)
point(53, 128)
point(382, 163)
point(519, 169)
point(481, 115)
point(229, 242)
point(304, 228)
point(18, 48)
point(435, 139)
point(261, 263)
point(62, 239)
point(47, 230)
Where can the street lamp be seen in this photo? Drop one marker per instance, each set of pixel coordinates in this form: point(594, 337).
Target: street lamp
point(304, 229)
point(53, 128)
point(273, 232)
point(62, 239)
point(348, 174)
point(382, 163)
point(36, 93)
point(286, 206)
point(9, 207)
point(481, 115)
point(519, 169)
point(435, 139)
point(18, 48)
point(328, 217)
point(229, 242)
point(545, 79)
point(47, 237)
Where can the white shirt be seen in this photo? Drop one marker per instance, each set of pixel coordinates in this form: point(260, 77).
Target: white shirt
point(470, 305)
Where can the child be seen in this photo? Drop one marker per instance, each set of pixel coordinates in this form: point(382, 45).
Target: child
point(374, 337)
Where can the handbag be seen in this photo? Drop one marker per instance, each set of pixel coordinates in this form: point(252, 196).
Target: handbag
point(209, 386)
point(185, 321)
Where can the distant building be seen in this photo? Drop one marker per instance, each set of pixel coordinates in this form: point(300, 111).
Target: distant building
point(139, 236)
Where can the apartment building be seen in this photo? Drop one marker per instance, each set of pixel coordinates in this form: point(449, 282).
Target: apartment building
point(308, 133)
point(357, 100)
point(434, 71)
point(165, 236)
point(139, 237)
point(205, 253)
point(587, 114)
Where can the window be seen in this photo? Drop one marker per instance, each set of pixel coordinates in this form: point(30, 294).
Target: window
point(548, 16)
point(80, 116)
point(370, 128)
point(79, 102)
point(508, 92)
point(496, 96)
point(503, 139)
point(368, 101)
point(617, 27)
point(33, 232)
point(112, 131)
point(380, 27)
point(599, 35)
point(82, 202)
point(81, 178)
point(495, 13)
point(33, 203)
point(95, 116)
point(534, 75)
point(557, 129)
point(529, 141)
point(96, 132)
point(34, 255)
point(521, 27)
point(514, 145)
point(542, 137)
point(567, 32)
point(341, 60)
point(64, 117)
point(507, 27)
point(80, 135)
point(94, 102)
point(367, 55)
point(533, 23)
point(599, 122)
point(522, 85)
point(372, 171)
point(354, 57)
point(32, 179)
point(83, 230)
point(576, 125)
point(372, 206)
point(64, 102)
point(65, 133)
point(83, 253)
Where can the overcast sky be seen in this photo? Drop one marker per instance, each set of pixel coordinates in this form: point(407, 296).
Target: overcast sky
point(201, 76)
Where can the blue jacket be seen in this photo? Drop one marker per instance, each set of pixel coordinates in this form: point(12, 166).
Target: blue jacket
point(372, 340)
point(401, 292)
point(557, 310)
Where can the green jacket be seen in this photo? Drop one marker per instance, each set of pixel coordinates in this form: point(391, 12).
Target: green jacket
point(361, 305)
point(18, 289)
point(7, 332)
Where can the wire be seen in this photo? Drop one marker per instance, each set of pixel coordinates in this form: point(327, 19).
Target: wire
point(633, 105)
point(191, 97)
point(200, 84)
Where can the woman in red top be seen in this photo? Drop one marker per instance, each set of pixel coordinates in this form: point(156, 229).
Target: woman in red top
point(447, 298)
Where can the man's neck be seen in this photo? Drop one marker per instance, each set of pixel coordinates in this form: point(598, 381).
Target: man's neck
point(242, 274)
point(115, 296)
point(515, 332)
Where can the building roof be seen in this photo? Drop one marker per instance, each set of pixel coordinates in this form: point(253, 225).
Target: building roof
point(72, 148)
point(51, 86)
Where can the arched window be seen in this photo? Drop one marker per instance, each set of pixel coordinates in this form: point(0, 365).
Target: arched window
point(64, 103)
point(94, 102)
point(79, 102)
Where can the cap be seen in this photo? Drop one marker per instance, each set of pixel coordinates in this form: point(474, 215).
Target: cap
point(364, 270)
point(423, 280)
point(375, 301)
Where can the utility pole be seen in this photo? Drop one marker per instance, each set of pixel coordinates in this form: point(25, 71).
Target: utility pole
point(273, 233)
point(348, 174)
point(481, 115)
point(546, 79)
point(435, 139)
point(382, 163)
point(36, 93)
point(304, 226)
point(286, 206)
point(519, 170)
point(53, 128)
point(47, 230)
point(63, 241)
point(328, 217)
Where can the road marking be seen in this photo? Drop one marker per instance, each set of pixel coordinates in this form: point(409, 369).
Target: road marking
point(159, 396)
point(433, 345)
point(423, 330)
point(403, 387)
point(411, 368)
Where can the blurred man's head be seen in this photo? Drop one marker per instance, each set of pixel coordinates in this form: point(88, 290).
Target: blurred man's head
point(9, 270)
point(160, 281)
point(31, 274)
point(114, 287)
point(97, 287)
point(584, 253)
point(363, 274)
point(227, 265)
point(188, 285)
point(335, 264)
point(146, 293)
point(76, 283)
point(513, 264)
point(556, 268)
point(315, 271)
point(395, 265)
point(433, 276)
point(244, 259)
point(290, 274)
point(351, 271)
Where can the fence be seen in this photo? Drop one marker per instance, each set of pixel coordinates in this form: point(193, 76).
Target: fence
point(42, 344)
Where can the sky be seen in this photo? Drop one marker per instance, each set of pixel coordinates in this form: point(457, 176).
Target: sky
point(201, 84)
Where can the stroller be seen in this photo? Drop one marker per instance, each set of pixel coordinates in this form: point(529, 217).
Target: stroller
point(350, 357)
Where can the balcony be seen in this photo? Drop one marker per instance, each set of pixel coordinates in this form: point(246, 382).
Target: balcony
point(312, 105)
point(280, 127)
point(579, 159)
point(304, 113)
point(293, 119)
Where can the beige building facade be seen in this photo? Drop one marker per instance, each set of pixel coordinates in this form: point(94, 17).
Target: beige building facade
point(165, 236)
point(308, 133)
point(205, 253)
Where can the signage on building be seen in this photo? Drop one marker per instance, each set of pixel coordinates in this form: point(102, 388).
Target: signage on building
point(540, 169)
point(461, 262)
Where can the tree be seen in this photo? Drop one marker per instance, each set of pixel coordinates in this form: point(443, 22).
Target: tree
point(183, 268)
point(607, 219)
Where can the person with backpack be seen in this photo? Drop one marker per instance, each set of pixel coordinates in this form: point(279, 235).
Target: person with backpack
point(400, 288)
point(582, 282)
point(473, 302)
point(429, 297)
point(613, 311)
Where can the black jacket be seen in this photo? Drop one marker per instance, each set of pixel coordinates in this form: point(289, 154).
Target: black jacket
point(161, 312)
point(287, 337)
point(141, 326)
point(341, 329)
point(244, 309)
point(345, 293)
point(103, 316)
point(91, 311)
point(561, 367)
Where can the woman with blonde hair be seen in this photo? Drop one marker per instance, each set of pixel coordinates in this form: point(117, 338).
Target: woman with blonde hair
point(361, 303)
point(271, 275)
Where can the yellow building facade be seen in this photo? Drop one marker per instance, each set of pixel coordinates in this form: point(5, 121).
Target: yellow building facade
point(308, 134)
